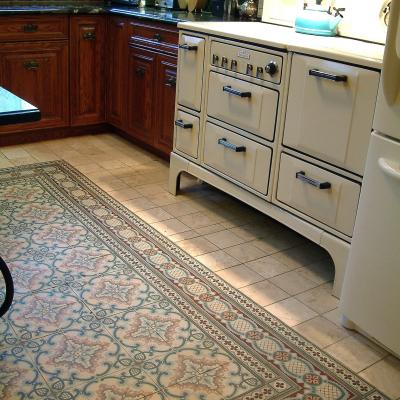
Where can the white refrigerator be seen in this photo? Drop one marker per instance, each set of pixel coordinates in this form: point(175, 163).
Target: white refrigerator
point(370, 300)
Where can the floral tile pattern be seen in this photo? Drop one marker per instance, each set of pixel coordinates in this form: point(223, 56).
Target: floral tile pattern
point(108, 308)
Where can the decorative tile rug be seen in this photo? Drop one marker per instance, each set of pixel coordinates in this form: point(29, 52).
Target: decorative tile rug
point(106, 308)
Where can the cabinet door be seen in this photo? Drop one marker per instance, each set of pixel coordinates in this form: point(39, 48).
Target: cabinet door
point(166, 83)
point(330, 111)
point(141, 94)
point(87, 70)
point(118, 37)
point(38, 73)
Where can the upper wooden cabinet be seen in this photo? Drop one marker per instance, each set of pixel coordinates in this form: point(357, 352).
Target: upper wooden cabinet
point(37, 72)
point(88, 34)
point(117, 71)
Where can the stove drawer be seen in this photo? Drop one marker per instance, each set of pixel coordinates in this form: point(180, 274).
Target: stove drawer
point(190, 71)
point(330, 111)
point(320, 194)
point(237, 157)
point(243, 104)
point(187, 128)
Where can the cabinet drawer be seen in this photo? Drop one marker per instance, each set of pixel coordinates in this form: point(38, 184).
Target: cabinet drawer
point(191, 66)
point(26, 28)
point(331, 119)
point(155, 36)
point(243, 104)
point(335, 205)
point(187, 128)
point(237, 157)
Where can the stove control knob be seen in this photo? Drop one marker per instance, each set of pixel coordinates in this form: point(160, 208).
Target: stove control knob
point(233, 65)
point(249, 69)
point(215, 59)
point(224, 62)
point(271, 68)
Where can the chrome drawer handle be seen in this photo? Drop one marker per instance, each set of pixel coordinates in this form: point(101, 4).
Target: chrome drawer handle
point(188, 47)
point(327, 75)
point(301, 175)
point(238, 149)
point(31, 65)
point(183, 125)
point(235, 92)
point(89, 35)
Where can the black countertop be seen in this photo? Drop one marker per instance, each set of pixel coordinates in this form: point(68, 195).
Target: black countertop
point(81, 7)
point(14, 110)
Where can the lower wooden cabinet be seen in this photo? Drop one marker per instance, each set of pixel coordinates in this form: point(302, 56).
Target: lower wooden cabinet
point(141, 94)
point(165, 105)
point(87, 41)
point(151, 98)
point(37, 72)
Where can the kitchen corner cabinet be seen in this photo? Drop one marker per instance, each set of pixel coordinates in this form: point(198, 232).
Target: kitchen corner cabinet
point(87, 40)
point(117, 70)
point(38, 72)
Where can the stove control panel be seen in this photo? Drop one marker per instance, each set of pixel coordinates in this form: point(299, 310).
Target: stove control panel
point(258, 64)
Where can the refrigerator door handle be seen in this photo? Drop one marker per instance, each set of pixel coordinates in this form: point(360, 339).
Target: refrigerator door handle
point(389, 168)
point(391, 59)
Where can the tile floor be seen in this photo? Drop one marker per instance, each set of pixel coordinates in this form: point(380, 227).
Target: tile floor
point(288, 275)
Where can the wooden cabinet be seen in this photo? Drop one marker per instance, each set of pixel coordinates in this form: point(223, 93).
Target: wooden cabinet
point(165, 106)
point(141, 94)
point(117, 70)
point(87, 43)
point(37, 72)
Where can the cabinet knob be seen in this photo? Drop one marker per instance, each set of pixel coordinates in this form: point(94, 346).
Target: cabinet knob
point(157, 37)
point(30, 28)
point(32, 65)
point(89, 35)
point(140, 71)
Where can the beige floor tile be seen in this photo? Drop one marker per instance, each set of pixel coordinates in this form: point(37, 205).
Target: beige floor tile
point(385, 375)
point(206, 230)
point(178, 237)
point(197, 246)
point(319, 272)
point(319, 299)
point(356, 352)
point(279, 240)
point(239, 276)
point(110, 185)
point(23, 161)
point(181, 208)
point(224, 239)
point(112, 164)
point(125, 194)
point(154, 215)
point(293, 282)
point(150, 189)
point(291, 311)
point(138, 204)
point(88, 168)
point(268, 267)
point(245, 252)
point(334, 316)
point(264, 293)
point(321, 332)
point(300, 256)
point(12, 152)
point(198, 220)
point(217, 260)
point(170, 227)
point(164, 198)
point(5, 162)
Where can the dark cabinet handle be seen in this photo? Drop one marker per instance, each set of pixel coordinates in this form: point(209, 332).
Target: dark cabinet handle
point(31, 65)
point(183, 125)
point(140, 71)
point(301, 175)
point(89, 35)
point(327, 75)
point(238, 149)
point(171, 82)
point(188, 47)
point(236, 92)
point(30, 28)
point(157, 36)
